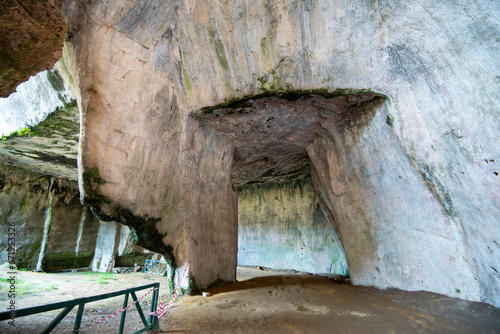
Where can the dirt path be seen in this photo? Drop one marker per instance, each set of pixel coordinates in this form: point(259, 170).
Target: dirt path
point(43, 288)
point(301, 303)
point(270, 302)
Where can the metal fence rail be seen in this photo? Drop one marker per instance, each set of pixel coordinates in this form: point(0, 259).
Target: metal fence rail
point(67, 306)
point(155, 267)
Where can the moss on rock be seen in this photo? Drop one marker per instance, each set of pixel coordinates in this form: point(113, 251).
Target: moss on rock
point(91, 181)
point(143, 230)
point(66, 260)
point(286, 94)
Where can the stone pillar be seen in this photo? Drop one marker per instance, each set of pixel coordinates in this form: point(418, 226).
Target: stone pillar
point(394, 232)
point(210, 205)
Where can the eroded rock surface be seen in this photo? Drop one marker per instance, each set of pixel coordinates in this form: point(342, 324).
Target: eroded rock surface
point(26, 198)
point(49, 148)
point(145, 66)
point(31, 41)
point(35, 99)
point(282, 226)
point(270, 134)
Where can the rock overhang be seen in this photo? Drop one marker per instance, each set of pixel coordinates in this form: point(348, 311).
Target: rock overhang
point(50, 148)
point(271, 131)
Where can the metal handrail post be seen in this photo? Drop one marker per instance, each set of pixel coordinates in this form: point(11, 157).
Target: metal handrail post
point(124, 314)
point(139, 309)
point(153, 318)
point(57, 320)
point(78, 319)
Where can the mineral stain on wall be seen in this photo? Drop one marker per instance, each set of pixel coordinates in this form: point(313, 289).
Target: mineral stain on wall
point(281, 226)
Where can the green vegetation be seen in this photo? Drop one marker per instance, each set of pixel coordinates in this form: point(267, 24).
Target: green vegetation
point(100, 278)
point(61, 120)
point(23, 132)
point(24, 287)
point(104, 277)
point(272, 82)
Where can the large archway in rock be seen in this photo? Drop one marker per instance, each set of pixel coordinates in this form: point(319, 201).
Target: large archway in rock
point(273, 137)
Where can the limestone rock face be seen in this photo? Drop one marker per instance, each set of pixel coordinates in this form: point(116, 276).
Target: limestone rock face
point(27, 201)
point(31, 41)
point(270, 135)
point(50, 148)
point(282, 226)
point(412, 188)
point(23, 202)
point(33, 101)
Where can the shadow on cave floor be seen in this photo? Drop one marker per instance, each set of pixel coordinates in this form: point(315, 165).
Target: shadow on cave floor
point(284, 302)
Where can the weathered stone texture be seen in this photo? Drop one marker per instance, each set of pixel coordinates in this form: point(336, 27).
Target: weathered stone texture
point(31, 40)
point(34, 100)
point(282, 226)
point(144, 66)
point(64, 249)
point(50, 148)
point(24, 201)
point(270, 134)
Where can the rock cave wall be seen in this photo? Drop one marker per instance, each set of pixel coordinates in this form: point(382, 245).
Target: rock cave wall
point(75, 238)
point(34, 100)
point(282, 226)
point(24, 201)
point(115, 248)
point(31, 41)
point(145, 66)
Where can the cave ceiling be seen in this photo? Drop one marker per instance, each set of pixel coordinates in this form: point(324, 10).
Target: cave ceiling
point(270, 134)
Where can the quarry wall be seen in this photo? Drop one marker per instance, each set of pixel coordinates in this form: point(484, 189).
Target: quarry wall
point(144, 67)
point(282, 226)
point(53, 231)
point(410, 185)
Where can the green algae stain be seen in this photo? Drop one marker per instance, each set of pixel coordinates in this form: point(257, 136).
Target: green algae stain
point(220, 50)
point(91, 181)
point(185, 56)
point(265, 46)
point(212, 32)
point(221, 54)
point(185, 75)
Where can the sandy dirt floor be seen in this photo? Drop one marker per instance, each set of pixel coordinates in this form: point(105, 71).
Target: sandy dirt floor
point(259, 302)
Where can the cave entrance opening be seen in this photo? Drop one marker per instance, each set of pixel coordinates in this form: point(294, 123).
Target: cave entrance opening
point(282, 222)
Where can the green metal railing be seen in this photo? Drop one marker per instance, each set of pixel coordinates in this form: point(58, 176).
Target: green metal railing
point(67, 306)
point(155, 267)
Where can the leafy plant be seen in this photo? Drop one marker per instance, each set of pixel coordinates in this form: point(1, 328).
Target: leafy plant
point(23, 132)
